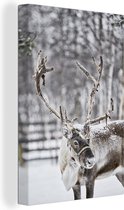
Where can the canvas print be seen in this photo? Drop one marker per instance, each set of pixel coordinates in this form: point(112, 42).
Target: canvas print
point(70, 104)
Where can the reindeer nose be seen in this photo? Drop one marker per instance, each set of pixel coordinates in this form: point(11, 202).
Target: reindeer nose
point(90, 162)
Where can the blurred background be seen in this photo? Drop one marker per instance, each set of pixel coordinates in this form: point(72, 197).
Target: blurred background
point(65, 36)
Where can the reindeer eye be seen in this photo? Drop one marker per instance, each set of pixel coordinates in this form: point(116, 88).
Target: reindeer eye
point(76, 143)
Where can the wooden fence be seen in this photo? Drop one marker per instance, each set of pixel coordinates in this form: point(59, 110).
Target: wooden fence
point(39, 140)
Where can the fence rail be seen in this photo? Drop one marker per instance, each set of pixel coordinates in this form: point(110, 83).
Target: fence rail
point(39, 140)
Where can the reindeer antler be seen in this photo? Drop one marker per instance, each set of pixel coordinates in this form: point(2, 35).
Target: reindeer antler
point(96, 84)
point(41, 70)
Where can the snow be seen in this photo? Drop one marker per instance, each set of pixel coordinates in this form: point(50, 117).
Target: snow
point(40, 182)
point(98, 127)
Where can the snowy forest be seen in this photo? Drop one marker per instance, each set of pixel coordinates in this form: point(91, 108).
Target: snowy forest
point(65, 36)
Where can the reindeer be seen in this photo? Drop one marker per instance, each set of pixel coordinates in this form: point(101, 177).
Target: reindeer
point(88, 152)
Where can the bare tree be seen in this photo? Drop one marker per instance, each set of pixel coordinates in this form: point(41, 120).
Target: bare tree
point(121, 108)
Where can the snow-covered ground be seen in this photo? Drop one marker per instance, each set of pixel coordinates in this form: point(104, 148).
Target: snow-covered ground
point(40, 182)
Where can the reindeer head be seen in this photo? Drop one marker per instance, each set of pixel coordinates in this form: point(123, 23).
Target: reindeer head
point(80, 150)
